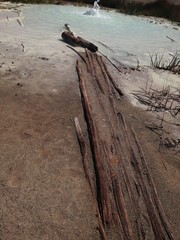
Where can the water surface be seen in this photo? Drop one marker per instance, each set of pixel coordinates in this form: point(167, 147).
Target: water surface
point(128, 37)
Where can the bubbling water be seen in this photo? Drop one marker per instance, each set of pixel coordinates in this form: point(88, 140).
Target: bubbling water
point(92, 12)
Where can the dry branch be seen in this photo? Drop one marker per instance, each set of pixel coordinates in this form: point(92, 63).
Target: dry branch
point(23, 47)
point(83, 147)
point(172, 40)
point(159, 101)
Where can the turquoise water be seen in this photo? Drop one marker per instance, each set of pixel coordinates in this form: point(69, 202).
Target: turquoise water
point(128, 37)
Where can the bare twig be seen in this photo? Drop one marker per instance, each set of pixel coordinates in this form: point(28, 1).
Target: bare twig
point(23, 47)
point(172, 40)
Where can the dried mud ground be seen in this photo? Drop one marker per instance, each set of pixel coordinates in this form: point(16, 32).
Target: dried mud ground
point(43, 190)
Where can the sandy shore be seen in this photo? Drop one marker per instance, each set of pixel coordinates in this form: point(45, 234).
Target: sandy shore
point(44, 192)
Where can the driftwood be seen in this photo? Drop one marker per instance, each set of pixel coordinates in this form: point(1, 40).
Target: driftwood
point(172, 40)
point(71, 39)
point(83, 147)
point(23, 47)
point(126, 197)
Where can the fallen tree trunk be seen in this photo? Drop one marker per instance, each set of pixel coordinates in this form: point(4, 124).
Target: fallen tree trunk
point(71, 39)
point(127, 203)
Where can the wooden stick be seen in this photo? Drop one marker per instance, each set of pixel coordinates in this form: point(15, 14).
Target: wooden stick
point(83, 147)
point(110, 62)
point(23, 47)
point(172, 40)
point(112, 80)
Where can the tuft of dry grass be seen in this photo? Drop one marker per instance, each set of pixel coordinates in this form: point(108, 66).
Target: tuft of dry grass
point(159, 61)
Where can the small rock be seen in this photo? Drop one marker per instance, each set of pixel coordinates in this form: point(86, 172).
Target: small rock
point(44, 58)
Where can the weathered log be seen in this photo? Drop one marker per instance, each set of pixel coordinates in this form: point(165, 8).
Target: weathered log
point(71, 39)
point(165, 227)
point(125, 192)
point(83, 147)
point(102, 197)
point(105, 197)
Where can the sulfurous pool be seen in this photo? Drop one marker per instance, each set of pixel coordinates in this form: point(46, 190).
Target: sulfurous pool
point(121, 37)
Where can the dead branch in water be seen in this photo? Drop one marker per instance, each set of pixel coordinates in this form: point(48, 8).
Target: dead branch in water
point(20, 22)
point(172, 40)
point(106, 46)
